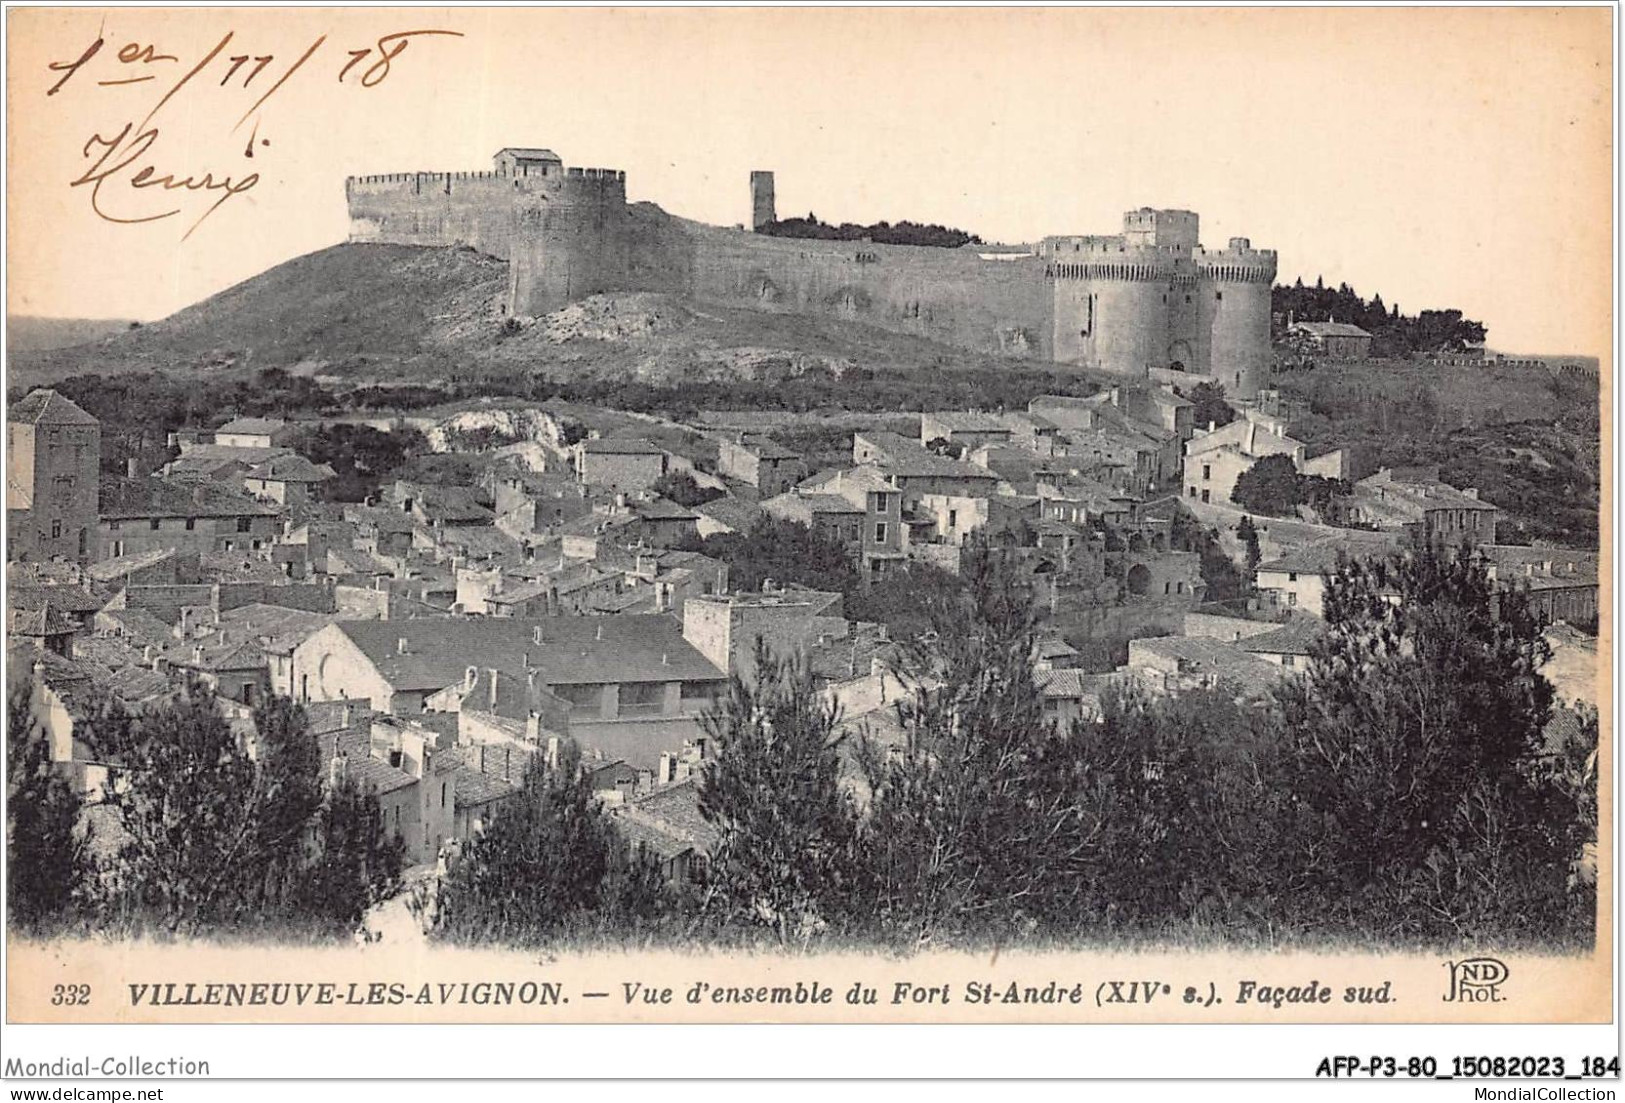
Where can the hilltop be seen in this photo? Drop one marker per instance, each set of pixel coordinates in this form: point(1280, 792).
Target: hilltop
point(396, 313)
point(25, 333)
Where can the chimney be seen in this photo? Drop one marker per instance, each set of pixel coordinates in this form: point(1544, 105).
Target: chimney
point(400, 646)
point(536, 635)
point(493, 674)
point(344, 716)
point(533, 728)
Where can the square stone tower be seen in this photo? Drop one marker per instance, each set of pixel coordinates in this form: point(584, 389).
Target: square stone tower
point(762, 210)
point(53, 478)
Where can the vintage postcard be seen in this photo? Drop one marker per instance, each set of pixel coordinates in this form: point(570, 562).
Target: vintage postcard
point(987, 516)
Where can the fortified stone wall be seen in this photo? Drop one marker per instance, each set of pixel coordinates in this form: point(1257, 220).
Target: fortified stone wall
point(947, 295)
point(1137, 302)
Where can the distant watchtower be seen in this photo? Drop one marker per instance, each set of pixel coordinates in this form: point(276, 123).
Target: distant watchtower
point(762, 212)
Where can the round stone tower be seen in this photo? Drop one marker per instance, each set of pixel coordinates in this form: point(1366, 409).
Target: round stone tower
point(1236, 282)
point(570, 239)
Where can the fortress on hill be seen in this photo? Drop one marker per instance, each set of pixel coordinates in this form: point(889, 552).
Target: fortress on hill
point(1150, 298)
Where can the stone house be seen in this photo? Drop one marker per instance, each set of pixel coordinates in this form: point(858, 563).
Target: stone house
point(255, 432)
point(1338, 340)
point(620, 463)
point(761, 462)
point(146, 514)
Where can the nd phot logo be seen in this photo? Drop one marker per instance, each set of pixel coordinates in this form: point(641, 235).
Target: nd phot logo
point(1476, 980)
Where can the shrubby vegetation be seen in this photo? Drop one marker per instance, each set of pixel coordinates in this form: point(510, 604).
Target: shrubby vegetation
point(680, 487)
point(882, 233)
point(1274, 487)
point(205, 840)
point(1393, 333)
point(1210, 407)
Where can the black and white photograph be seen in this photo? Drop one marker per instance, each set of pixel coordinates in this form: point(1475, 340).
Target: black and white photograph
point(786, 515)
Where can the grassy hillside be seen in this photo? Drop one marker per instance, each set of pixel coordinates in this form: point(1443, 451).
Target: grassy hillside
point(25, 333)
point(388, 313)
point(1529, 441)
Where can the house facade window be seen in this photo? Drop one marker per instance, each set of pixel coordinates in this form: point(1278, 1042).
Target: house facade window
point(880, 532)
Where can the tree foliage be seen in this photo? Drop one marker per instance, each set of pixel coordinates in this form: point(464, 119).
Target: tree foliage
point(47, 860)
point(784, 552)
point(882, 233)
point(1274, 487)
point(1394, 334)
point(955, 841)
point(786, 856)
point(1210, 406)
point(234, 832)
point(680, 487)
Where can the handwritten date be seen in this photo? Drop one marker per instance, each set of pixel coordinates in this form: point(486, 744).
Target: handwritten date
point(123, 156)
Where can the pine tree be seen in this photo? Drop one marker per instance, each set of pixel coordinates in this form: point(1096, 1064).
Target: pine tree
point(538, 868)
point(1413, 736)
point(46, 856)
point(356, 861)
point(957, 844)
point(188, 804)
point(784, 859)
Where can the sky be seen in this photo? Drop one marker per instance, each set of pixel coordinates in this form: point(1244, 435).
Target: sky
point(1442, 157)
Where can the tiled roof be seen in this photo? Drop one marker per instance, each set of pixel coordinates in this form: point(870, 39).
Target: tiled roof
point(766, 448)
point(621, 446)
point(121, 565)
point(246, 454)
point(134, 683)
point(155, 497)
point(1330, 329)
point(1321, 558)
point(574, 651)
point(1073, 684)
point(1293, 638)
point(371, 774)
point(258, 426)
point(292, 468)
point(219, 652)
point(45, 619)
point(141, 626)
point(525, 154)
point(663, 509)
point(46, 407)
point(72, 599)
point(475, 788)
point(279, 628)
point(668, 820)
point(807, 505)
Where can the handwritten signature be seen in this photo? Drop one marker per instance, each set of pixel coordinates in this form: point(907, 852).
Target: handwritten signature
point(122, 158)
